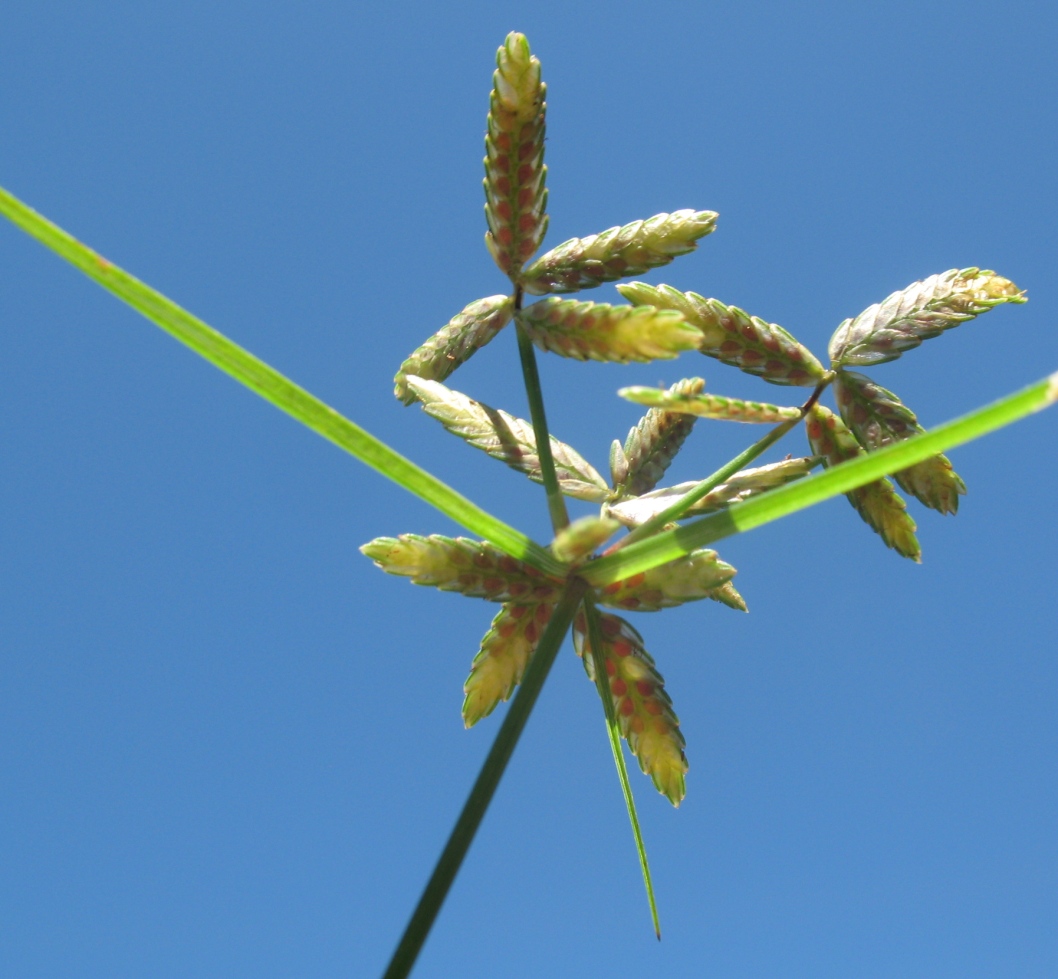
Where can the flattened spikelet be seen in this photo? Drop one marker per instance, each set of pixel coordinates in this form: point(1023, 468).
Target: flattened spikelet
point(924, 309)
point(643, 708)
point(582, 537)
point(515, 196)
point(500, 663)
point(877, 418)
point(509, 439)
point(583, 263)
point(599, 331)
point(709, 405)
point(687, 579)
point(734, 337)
point(470, 567)
point(877, 503)
point(467, 332)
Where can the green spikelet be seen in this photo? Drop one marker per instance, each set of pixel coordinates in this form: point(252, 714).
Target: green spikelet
point(473, 568)
point(709, 405)
point(878, 503)
point(599, 331)
point(741, 486)
point(500, 663)
point(877, 418)
point(653, 443)
point(687, 579)
point(582, 537)
point(728, 595)
point(454, 344)
point(509, 439)
point(643, 708)
point(923, 310)
point(515, 196)
point(583, 263)
point(734, 337)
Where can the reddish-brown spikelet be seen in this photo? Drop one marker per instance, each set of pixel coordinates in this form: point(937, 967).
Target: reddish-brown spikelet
point(877, 418)
point(643, 708)
point(734, 337)
point(455, 343)
point(599, 331)
point(515, 195)
point(500, 663)
point(470, 567)
point(687, 579)
point(877, 503)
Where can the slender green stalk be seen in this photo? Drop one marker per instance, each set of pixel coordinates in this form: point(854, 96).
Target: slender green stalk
point(766, 507)
point(488, 779)
point(591, 613)
point(274, 387)
point(556, 503)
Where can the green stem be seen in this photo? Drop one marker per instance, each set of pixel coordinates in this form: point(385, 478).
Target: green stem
point(556, 503)
point(602, 684)
point(488, 779)
point(275, 388)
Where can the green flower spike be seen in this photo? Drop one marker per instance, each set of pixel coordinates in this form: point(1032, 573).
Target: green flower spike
point(709, 405)
point(583, 263)
point(454, 344)
point(515, 196)
point(643, 708)
point(878, 503)
point(509, 439)
point(734, 337)
point(923, 310)
point(877, 417)
point(650, 447)
point(599, 331)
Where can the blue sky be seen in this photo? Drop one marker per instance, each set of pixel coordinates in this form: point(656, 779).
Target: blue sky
point(230, 746)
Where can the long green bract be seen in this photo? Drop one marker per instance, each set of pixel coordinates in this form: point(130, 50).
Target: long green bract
point(274, 387)
point(766, 507)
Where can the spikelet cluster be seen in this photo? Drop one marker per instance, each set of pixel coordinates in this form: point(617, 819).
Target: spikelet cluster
point(599, 331)
point(642, 707)
point(925, 309)
point(878, 503)
point(583, 263)
point(515, 195)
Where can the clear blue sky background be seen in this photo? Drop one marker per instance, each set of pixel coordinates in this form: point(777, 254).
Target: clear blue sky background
point(231, 747)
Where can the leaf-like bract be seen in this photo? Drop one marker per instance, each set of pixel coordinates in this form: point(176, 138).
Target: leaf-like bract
point(642, 707)
point(515, 196)
point(455, 343)
point(599, 331)
point(509, 439)
point(877, 418)
point(500, 663)
point(687, 579)
point(924, 309)
point(704, 405)
point(734, 337)
point(877, 503)
point(472, 568)
point(583, 263)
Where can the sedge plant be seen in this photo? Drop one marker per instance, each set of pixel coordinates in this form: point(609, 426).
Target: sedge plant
point(648, 546)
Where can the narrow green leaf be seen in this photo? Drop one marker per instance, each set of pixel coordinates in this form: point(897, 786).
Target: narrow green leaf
point(275, 388)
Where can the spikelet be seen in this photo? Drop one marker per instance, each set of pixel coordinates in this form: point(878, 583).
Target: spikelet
point(877, 418)
point(728, 595)
point(741, 486)
point(653, 443)
point(454, 344)
point(709, 405)
point(734, 337)
point(470, 567)
point(643, 708)
point(500, 663)
point(687, 579)
point(583, 263)
point(582, 537)
point(924, 309)
point(509, 439)
point(515, 196)
point(877, 503)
